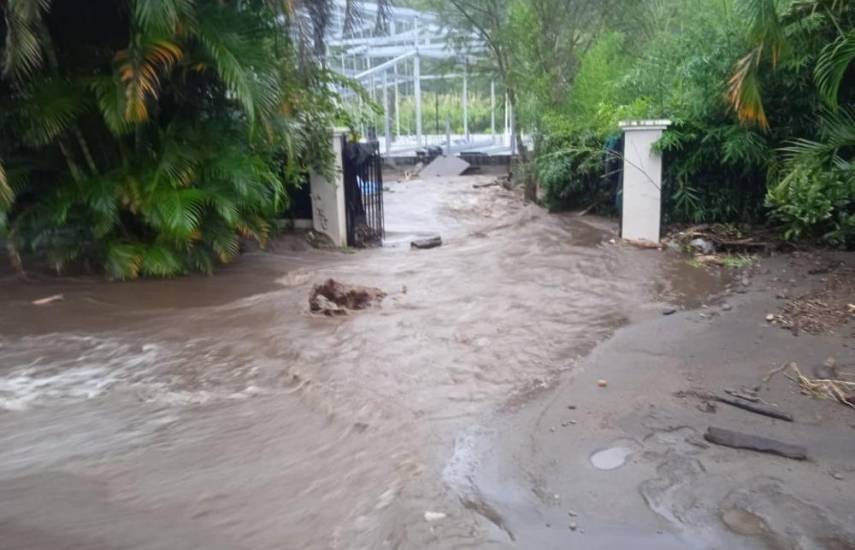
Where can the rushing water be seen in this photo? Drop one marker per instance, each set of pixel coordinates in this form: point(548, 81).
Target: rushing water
point(218, 413)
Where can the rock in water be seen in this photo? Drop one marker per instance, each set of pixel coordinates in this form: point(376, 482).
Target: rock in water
point(432, 242)
point(335, 298)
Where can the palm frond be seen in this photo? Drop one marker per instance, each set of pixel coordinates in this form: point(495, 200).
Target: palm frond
point(768, 39)
point(140, 66)
point(23, 53)
point(160, 260)
point(176, 212)
point(247, 70)
point(123, 260)
point(831, 67)
point(162, 16)
point(48, 108)
point(744, 90)
point(7, 195)
point(110, 95)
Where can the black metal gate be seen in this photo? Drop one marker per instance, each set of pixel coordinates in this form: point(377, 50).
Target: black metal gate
point(363, 193)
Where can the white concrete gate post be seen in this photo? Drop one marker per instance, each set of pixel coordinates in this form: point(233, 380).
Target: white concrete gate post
point(328, 214)
point(642, 180)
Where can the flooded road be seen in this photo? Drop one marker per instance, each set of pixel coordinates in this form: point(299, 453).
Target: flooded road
point(218, 413)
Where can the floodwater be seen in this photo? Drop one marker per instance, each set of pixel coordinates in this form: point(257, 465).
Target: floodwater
point(218, 413)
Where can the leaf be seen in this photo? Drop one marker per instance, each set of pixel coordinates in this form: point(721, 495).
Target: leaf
point(247, 70)
point(744, 90)
point(831, 67)
point(49, 107)
point(139, 68)
point(110, 96)
point(123, 260)
point(160, 261)
point(162, 16)
point(177, 212)
point(23, 55)
point(7, 195)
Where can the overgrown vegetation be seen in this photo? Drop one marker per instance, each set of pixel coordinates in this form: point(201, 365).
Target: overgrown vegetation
point(760, 93)
point(148, 137)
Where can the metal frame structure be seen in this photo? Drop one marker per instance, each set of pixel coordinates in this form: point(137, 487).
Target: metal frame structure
point(393, 60)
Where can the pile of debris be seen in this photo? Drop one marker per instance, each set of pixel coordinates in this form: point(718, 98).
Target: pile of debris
point(335, 298)
point(710, 239)
point(830, 384)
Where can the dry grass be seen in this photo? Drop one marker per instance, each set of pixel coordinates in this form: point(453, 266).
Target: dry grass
point(819, 388)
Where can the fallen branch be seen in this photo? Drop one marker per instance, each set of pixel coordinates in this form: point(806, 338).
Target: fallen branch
point(755, 408)
point(738, 440)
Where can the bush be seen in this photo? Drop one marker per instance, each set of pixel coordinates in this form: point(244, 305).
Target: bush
point(815, 202)
point(571, 169)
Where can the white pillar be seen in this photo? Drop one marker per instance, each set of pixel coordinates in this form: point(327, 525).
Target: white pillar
point(465, 103)
point(511, 124)
point(387, 129)
point(507, 112)
point(447, 135)
point(642, 180)
point(397, 104)
point(328, 214)
point(417, 84)
point(417, 89)
point(493, 111)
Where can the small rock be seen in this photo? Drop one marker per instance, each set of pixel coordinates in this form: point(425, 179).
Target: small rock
point(571, 513)
point(572, 525)
point(432, 242)
point(548, 525)
point(702, 245)
point(612, 241)
point(707, 407)
point(602, 383)
point(552, 429)
point(581, 531)
point(571, 407)
point(770, 317)
point(838, 476)
point(669, 311)
point(726, 307)
point(434, 516)
point(746, 281)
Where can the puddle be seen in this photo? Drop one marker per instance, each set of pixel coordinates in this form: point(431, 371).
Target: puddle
point(611, 458)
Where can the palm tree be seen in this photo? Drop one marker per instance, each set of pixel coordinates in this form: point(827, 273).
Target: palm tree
point(148, 136)
point(773, 26)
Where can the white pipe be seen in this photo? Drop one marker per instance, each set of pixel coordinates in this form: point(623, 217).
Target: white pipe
point(386, 125)
point(493, 111)
point(465, 103)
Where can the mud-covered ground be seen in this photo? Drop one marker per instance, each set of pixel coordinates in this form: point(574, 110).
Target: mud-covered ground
point(462, 413)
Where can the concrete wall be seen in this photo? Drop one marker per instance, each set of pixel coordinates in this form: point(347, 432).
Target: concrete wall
point(328, 214)
point(642, 181)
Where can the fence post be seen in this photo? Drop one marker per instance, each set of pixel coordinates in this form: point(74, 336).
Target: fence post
point(641, 209)
point(328, 213)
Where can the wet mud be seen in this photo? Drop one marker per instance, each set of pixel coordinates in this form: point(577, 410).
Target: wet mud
point(220, 413)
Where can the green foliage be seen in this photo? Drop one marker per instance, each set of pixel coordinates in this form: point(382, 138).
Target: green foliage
point(154, 144)
point(812, 201)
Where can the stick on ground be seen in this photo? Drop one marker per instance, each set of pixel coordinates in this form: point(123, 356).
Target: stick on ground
point(739, 440)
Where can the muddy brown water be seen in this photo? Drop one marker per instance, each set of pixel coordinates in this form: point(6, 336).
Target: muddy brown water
point(218, 413)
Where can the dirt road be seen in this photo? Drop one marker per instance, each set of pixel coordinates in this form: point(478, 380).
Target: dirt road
point(219, 413)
